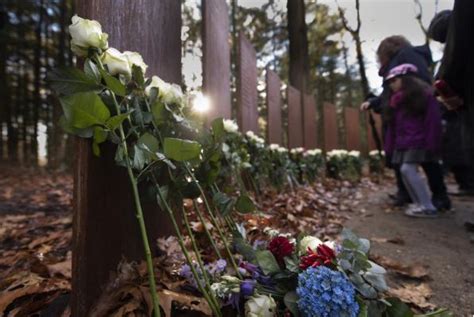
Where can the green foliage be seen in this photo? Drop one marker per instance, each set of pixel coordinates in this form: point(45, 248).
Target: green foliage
point(267, 262)
point(70, 80)
point(181, 150)
point(291, 302)
point(244, 204)
point(83, 110)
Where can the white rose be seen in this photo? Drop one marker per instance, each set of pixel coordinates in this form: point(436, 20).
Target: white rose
point(169, 93)
point(135, 58)
point(86, 33)
point(260, 306)
point(309, 242)
point(230, 126)
point(116, 62)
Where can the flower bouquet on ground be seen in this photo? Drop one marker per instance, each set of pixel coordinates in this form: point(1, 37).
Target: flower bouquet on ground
point(285, 276)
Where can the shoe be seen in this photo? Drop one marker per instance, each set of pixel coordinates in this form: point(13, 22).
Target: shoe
point(401, 201)
point(421, 213)
point(442, 204)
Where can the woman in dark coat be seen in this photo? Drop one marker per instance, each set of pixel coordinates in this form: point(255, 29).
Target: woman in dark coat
point(394, 51)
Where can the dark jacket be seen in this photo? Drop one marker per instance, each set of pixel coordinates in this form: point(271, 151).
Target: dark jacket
point(420, 56)
point(409, 132)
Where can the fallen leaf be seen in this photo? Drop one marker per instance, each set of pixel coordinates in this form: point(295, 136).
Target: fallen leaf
point(416, 270)
point(417, 295)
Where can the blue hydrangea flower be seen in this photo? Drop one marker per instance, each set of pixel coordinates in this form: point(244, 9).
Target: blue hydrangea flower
point(323, 292)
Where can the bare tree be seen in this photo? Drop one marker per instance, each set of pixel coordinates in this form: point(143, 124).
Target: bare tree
point(355, 33)
point(419, 18)
point(299, 58)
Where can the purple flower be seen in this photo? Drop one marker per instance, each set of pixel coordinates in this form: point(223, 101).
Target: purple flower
point(247, 287)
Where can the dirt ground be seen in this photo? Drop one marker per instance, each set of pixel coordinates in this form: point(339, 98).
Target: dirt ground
point(443, 245)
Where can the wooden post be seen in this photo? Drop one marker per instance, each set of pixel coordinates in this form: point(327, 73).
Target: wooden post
point(105, 227)
point(274, 104)
point(370, 137)
point(247, 95)
point(309, 119)
point(331, 140)
point(216, 57)
point(295, 118)
point(352, 127)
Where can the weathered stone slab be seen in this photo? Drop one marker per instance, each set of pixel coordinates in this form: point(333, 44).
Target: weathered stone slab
point(331, 139)
point(274, 105)
point(352, 127)
point(247, 95)
point(216, 57)
point(295, 118)
point(309, 118)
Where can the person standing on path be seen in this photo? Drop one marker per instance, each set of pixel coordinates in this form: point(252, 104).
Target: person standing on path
point(413, 135)
point(393, 51)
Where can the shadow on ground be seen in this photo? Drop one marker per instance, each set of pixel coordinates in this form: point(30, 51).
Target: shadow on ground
point(443, 245)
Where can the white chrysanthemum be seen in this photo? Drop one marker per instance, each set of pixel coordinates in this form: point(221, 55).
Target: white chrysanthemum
point(376, 153)
point(273, 147)
point(313, 152)
point(354, 153)
point(260, 306)
point(230, 126)
point(85, 34)
point(282, 149)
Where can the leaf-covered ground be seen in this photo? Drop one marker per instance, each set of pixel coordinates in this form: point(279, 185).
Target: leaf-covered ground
point(429, 264)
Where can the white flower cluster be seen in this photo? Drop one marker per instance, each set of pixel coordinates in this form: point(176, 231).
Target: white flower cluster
point(297, 150)
point(254, 138)
point(260, 306)
point(228, 284)
point(87, 34)
point(376, 153)
point(230, 126)
point(313, 152)
point(337, 153)
point(354, 154)
point(277, 148)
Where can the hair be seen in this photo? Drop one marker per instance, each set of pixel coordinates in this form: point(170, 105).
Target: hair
point(389, 47)
point(414, 99)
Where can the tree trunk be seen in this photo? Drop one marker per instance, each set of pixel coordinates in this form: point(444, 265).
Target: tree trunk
point(4, 87)
point(360, 60)
point(297, 32)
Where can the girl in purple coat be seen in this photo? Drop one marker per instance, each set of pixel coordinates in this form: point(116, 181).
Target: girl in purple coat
point(413, 134)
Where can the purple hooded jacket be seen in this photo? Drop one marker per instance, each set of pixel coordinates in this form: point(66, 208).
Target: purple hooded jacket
point(408, 132)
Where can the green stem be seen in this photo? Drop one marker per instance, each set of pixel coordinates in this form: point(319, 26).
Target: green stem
point(185, 252)
point(201, 218)
point(139, 211)
point(198, 257)
point(214, 221)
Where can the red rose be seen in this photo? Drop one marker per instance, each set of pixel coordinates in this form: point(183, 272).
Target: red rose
point(281, 247)
point(324, 255)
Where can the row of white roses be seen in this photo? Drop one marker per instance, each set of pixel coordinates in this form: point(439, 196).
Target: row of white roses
point(87, 34)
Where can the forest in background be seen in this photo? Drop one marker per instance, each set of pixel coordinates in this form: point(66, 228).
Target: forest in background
point(34, 39)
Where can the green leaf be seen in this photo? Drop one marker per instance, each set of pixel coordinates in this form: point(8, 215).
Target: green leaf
point(113, 83)
point(70, 80)
point(91, 70)
point(242, 247)
point(159, 112)
point(139, 157)
point(267, 262)
point(398, 308)
point(218, 128)
point(137, 75)
point(223, 203)
point(181, 150)
point(114, 122)
point(120, 156)
point(100, 135)
point(363, 308)
point(244, 204)
point(291, 264)
point(68, 128)
point(83, 110)
point(291, 302)
point(150, 141)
